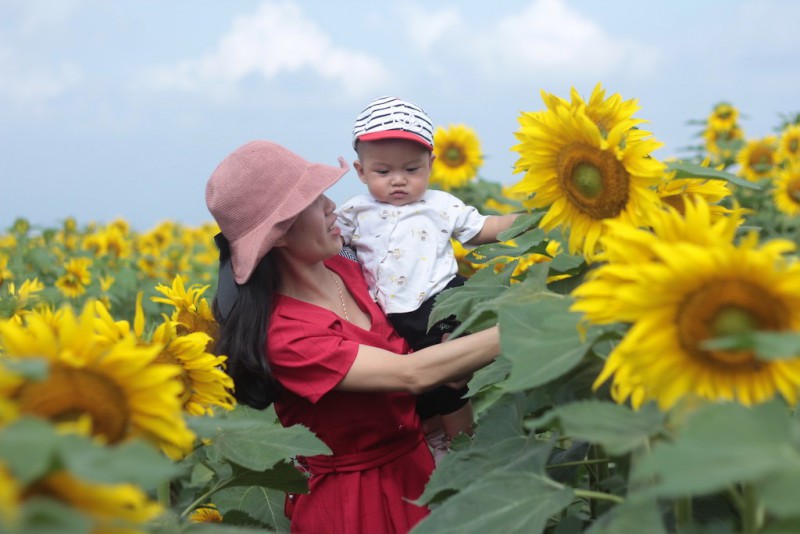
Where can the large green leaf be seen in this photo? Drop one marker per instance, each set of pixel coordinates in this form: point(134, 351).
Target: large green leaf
point(134, 462)
point(40, 515)
point(766, 345)
point(721, 445)
point(531, 241)
point(282, 476)
point(521, 224)
point(263, 504)
point(779, 491)
point(28, 447)
point(501, 502)
point(617, 428)
point(542, 341)
point(460, 301)
point(685, 169)
point(642, 516)
point(256, 440)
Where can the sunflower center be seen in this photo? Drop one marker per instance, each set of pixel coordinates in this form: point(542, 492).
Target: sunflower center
point(454, 156)
point(676, 201)
point(761, 160)
point(68, 393)
point(594, 180)
point(725, 308)
point(793, 190)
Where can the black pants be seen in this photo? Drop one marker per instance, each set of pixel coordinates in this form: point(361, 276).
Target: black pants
point(413, 326)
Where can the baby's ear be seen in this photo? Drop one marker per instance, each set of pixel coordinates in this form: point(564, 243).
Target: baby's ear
point(359, 170)
point(433, 157)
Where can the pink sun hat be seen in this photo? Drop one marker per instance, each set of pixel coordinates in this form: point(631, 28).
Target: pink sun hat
point(257, 192)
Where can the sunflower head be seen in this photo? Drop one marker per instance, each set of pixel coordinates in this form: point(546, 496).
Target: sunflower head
point(758, 159)
point(582, 175)
point(723, 117)
point(787, 189)
point(206, 514)
point(685, 284)
point(458, 156)
point(789, 147)
point(75, 278)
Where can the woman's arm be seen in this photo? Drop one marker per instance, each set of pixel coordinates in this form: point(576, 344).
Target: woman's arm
point(377, 369)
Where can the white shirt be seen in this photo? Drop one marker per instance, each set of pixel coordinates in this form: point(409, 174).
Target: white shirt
point(405, 251)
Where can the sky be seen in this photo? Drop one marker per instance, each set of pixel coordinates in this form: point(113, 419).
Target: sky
point(124, 109)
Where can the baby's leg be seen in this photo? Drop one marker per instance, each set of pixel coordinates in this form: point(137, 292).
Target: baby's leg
point(459, 421)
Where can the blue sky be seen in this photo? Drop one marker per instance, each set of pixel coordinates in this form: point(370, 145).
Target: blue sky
point(123, 109)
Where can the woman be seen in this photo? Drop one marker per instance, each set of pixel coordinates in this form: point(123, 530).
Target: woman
point(300, 330)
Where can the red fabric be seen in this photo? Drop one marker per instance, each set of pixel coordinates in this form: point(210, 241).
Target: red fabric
point(310, 350)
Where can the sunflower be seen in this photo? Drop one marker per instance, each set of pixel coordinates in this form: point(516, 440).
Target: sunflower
point(5, 273)
point(116, 384)
point(26, 296)
point(787, 189)
point(689, 293)
point(74, 281)
point(723, 144)
point(723, 117)
point(206, 514)
point(192, 311)
point(582, 176)
point(625, 246)
point(111, 506)
point(758, 158)
point(606, 113)
point(789, 146)
point(458, 156)
point(675, 192)
point(205, 383)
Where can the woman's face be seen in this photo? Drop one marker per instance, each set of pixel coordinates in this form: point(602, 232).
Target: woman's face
point(314, 235)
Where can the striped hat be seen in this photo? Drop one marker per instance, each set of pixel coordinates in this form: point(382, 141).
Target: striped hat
point(388, 117)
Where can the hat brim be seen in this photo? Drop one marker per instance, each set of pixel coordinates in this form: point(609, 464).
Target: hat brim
point(249, 249)
point(395, 134)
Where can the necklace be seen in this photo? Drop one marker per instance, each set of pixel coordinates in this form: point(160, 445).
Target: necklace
point(341, 297)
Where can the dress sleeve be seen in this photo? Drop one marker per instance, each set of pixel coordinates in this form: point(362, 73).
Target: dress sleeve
point(309, 358)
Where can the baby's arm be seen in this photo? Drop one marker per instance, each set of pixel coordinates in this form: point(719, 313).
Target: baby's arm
point(493, 225)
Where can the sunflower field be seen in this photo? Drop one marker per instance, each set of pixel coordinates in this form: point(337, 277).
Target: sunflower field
point(650, 327)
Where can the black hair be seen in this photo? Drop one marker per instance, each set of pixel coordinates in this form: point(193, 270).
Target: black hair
point(243, 337)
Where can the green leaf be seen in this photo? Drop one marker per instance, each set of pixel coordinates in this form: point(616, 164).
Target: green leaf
point(542, 341)
point(40, 515)
point(766, 345)
point(685, 169)
point(460, 301)
point(531, 241)
point(778, 492)
point(255, 439)
point(500, 502)
point(29, 368)
point(133, 462)
point(492, 374)
point(282, 476)
point(28, 447)
point(617, 428)
point(262, 504)
point(521, 224)
point(641, 516)
point(718, 446)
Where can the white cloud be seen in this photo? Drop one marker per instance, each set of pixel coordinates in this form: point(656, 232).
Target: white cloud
point(30, 86)
point(547, 36)
point(436, 24)
point(277, 39)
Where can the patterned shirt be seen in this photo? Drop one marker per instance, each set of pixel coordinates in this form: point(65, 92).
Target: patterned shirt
point(405, 251)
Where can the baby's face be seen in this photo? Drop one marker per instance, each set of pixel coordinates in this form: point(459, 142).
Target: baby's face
point(396, 171)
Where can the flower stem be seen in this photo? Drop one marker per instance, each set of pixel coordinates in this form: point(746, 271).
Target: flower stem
point(683, 512)
point(599, 495)
point(752, 513)
point(163, 494)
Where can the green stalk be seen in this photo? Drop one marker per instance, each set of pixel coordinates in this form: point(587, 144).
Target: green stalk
point(683, 512)
point(752, 513)
point(200, 499)
point(163, 494)
point(599, 495)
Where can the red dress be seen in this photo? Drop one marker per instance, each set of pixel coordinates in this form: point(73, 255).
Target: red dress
point(380, 458)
